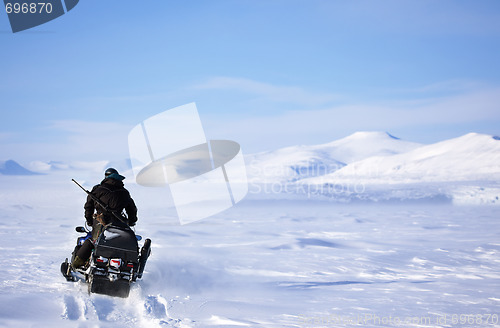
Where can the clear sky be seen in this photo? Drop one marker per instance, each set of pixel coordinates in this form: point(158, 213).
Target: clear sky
point(265, 73)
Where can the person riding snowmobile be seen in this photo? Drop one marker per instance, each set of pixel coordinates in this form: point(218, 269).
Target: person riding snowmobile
point(113, 194)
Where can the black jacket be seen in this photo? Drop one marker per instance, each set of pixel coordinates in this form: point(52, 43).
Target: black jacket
point(112, 193)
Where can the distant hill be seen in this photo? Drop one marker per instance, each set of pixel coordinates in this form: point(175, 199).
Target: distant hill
point(59, 166)
point(376, 166)
point(365, 166)
point(11, 167)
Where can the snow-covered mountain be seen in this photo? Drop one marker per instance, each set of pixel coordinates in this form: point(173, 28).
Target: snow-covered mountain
point(467, 158)
point(375, 166)
point(90, 166)
point(363, 166)
point(298, 162)
point(361, 145)
point(11, 167)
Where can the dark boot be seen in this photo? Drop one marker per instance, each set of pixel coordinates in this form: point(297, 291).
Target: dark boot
point(77, 262)
point(83, 254)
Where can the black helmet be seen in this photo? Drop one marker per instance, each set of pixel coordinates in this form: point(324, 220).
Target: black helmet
point(110, 171)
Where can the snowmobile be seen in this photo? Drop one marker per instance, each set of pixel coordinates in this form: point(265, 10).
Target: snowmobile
point(115, 261)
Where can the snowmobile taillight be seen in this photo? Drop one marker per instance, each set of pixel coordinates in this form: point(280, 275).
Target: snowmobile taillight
point(130, 265)
point(116, 263)
point(101, 259)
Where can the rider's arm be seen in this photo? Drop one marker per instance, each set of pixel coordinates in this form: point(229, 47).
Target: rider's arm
point(131, 210)
point(89, 208)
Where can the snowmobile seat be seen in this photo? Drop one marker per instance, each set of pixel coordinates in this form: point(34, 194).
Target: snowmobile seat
point(118, 242)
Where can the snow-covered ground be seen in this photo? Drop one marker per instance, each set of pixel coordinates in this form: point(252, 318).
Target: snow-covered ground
point(262, 263)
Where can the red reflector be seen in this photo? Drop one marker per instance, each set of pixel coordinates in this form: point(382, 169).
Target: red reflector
point(130, 265)
point(116, 263)
point(101, 259)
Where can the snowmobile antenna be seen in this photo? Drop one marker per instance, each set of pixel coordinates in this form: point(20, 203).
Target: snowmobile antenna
point(98, 201)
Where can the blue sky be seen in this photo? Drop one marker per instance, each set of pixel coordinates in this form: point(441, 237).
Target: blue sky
point(265, 73)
